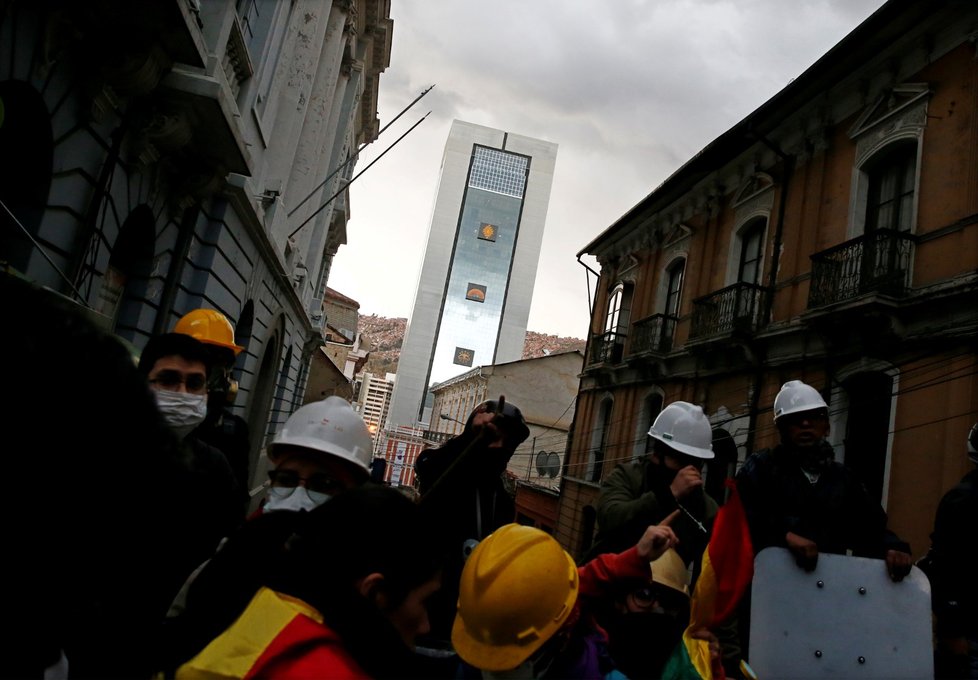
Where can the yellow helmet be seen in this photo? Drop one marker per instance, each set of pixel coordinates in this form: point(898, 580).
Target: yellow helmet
point(670, 571)
point(210, 327)
point(517, 589)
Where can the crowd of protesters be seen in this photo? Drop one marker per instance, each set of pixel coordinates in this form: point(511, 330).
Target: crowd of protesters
point(138, 560)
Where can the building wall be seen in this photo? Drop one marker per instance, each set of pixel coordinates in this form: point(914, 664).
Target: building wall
point(179, 141)
point(450, 328)
point(883, 325)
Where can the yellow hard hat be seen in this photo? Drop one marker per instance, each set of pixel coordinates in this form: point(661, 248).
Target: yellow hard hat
point(669, 570)
point(210, 327)
point(517, 589)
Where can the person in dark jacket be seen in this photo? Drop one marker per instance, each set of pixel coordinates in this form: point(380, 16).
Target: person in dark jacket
point(954, 545)
point(644, 492)
point(797, 497)
point(176, 368)
point(463, 494)
point(92, 548)
point(221, 429)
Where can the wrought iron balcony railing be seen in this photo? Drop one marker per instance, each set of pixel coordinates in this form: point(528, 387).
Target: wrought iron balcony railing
point(653, 334)
point(607, 348)
point(875, 262)
point(437, 437)
point(734, 308)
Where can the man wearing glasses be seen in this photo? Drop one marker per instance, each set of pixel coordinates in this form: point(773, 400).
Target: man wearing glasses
point(175, 366)
point(798, 497)
point(324, 448)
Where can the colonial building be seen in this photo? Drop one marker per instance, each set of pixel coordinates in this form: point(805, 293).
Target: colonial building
point(165, 156)
point(830, 236)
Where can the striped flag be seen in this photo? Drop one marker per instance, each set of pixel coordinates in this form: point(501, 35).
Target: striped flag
point(727, 570)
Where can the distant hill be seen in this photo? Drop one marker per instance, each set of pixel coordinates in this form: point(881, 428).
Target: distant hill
point(386, 336)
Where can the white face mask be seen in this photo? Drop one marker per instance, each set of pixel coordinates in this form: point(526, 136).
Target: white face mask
point(295, 499)
point(181, 411)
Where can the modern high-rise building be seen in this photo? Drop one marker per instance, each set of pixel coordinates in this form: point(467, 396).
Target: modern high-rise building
point(373, 403)
point(480, 263)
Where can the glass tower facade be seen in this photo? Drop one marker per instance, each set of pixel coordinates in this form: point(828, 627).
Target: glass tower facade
point(478, 277)
point(474, 291)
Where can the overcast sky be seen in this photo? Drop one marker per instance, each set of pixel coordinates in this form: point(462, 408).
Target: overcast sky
point(628, 89)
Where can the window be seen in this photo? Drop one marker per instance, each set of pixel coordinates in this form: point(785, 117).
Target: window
point(651, 406)
point(599, 441)
point(614, 309)
point(751, 248)
point(870, 396)
point(892, 177)
point(674, 287)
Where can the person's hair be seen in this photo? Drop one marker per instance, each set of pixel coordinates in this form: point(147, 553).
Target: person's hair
point(173, 344)
point(371, 529)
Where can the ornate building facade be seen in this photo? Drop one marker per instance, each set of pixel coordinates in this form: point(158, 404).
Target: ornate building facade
point(831, 236)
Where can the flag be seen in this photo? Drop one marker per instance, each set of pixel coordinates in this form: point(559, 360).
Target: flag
point(725, 573)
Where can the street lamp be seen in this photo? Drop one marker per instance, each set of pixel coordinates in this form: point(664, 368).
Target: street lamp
point(445, 416)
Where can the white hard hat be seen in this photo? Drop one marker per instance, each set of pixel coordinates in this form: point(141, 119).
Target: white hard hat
point(330, 426)
point(684, 427)
point(795, 397)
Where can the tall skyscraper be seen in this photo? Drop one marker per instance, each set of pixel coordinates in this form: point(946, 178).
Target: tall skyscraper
point(480, 263)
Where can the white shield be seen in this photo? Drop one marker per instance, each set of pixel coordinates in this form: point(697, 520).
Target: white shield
point(846, 619)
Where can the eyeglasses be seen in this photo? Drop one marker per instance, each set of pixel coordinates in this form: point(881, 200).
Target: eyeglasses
point(319, 482)
point(170, 379)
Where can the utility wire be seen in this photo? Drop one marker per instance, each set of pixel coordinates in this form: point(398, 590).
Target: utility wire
point(41, 250)
point(356, 155)
point(354, 178)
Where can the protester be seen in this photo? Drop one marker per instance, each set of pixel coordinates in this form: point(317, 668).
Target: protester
point(221, 429)
point(798, 497)
point(525, 609)
point(346, 599)
point(954, 545)
point(645, 620)
point(176, 368)
point(92, 549)
point(323, 449)
point(463, 494)
point(643, 492)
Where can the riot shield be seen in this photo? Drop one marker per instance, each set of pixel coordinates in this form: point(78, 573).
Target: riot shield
point(846, 619)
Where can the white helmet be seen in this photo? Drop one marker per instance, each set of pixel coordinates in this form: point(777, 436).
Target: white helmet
point(330, 426)
point(684, 427)
point(795, 397)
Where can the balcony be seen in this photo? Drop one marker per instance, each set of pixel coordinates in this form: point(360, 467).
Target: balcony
point(653, 334)
point(877, 262)
point(607, 348)
point(736, 308)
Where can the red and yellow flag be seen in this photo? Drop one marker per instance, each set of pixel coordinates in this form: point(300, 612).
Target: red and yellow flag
point(727, 570)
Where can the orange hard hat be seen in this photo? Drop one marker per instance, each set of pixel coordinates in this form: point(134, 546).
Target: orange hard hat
point(210, 327)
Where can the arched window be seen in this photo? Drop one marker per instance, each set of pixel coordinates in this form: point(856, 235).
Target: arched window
point(126, 278)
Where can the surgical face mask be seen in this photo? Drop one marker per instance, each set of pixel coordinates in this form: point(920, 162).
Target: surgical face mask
point(293, 498)
point(181, 411)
